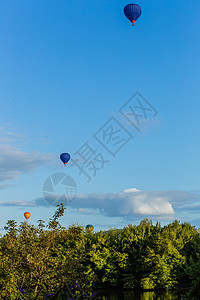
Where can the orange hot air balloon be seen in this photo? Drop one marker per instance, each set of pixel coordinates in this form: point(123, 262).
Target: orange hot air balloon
point(27, 215)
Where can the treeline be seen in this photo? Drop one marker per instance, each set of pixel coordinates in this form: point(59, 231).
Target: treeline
point(43, 259)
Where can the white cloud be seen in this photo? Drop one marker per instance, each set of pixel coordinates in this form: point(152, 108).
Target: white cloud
point(145, 204)
point(131, 190)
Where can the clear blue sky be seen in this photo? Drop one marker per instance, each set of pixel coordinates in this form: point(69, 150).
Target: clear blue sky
point(66, 68)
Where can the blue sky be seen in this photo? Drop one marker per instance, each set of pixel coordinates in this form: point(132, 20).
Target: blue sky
point(66, 69)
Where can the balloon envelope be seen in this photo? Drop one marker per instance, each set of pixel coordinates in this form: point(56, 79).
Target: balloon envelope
point(27, 215)
point(132, 12)
point(90, 227)
point(65, 157)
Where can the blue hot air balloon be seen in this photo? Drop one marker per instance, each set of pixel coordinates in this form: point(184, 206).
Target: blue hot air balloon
point(65, 157)
point(132, 12)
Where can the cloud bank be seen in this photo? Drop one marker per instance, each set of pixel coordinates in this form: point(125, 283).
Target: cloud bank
point(125, 203)
point(129, 204)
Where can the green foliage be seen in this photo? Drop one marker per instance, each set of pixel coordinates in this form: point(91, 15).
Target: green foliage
point(44, 259)
point(147, 283)
point(193, 270)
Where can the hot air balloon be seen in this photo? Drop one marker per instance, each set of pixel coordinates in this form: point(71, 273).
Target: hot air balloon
point(90, 228)
point(65, 157)
point(132, 12)
point(27, 215)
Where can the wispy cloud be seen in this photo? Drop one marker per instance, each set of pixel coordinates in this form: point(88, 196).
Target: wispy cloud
point(21, 203)
point(9, 136)
point(6, 186)
point(14, 162)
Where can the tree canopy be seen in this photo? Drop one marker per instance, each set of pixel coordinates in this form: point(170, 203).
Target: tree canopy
point(45, 258)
